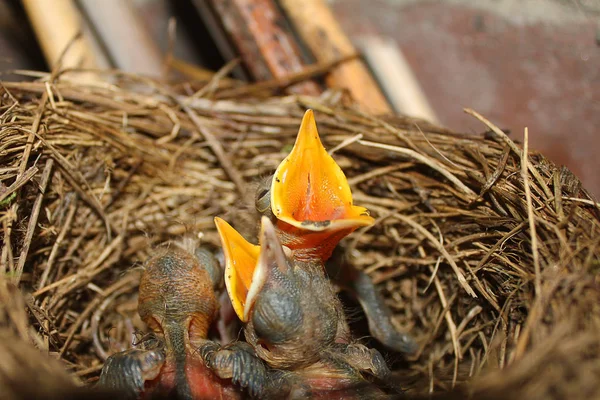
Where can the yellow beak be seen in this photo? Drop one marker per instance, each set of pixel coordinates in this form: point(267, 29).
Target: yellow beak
point(310, 192)
point(240, 262)
point(248, 266)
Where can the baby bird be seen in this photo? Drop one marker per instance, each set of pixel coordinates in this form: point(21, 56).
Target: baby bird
point(309, 201)
point(294, 320)
point(308, 198)
point(178, 303)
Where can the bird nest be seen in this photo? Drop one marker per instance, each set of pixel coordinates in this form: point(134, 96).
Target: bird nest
point(487, 253)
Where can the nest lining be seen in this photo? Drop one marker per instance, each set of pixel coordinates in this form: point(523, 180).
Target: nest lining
point(94, 176)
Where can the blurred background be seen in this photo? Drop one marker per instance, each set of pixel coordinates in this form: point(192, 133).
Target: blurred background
point(533, 63)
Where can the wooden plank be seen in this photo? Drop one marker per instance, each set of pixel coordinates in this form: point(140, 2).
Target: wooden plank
point(56, 23)
point(396, 77)
point(124, 36)
point(266, 44)
point(322, 34)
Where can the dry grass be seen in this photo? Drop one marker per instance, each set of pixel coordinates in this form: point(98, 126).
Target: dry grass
point(487, 253)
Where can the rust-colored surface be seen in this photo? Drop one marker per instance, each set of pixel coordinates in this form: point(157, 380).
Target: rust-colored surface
point(536, 69)
point(267, 47)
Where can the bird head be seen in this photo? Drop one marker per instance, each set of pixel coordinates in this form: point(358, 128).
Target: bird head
point(309, 198)
point(176, 293)
point(289, 308)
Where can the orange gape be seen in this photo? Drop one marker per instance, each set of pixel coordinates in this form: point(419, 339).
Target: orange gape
point(311, 198)
point(312, 203)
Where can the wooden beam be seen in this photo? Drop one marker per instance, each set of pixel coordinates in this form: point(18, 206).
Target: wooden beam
point(396, 77)
point(264, 41)
point(122, 33)
point(320, 31)
point(56, 23)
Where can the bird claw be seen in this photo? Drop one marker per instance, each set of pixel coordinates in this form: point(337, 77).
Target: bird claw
point(238, 362)
point(126, 372)
point(364, 359)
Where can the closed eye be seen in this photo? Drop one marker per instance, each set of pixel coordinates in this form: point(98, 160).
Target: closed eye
point(263, 201)
point(263, 193)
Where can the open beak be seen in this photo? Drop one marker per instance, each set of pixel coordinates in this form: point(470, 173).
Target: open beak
point(241, 257)
point(310, 192)
point(248, 266)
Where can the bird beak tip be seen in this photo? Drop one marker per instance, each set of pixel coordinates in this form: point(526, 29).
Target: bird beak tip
point(309, 189)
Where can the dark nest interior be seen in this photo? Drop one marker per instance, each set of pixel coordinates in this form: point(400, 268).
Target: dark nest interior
point(487, 253)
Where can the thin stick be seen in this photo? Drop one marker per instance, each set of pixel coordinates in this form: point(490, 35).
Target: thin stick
point(494, 177)
point(584, 201)
point(20, 181)
point(92, 307)
point(216, 147)
point(558, 203)
point(212, 85)
point(69, 175)
point(345, 143)
point(461, 278)
point(37, 205)
point(86, 272)
point(58, 242)
point(308, 72)
point(434, 164)
point(513, 147)
point(531, 216)
point(473, 312)
point(34, 128)
point(497, 245)
point(451, 327)
point(377, 172)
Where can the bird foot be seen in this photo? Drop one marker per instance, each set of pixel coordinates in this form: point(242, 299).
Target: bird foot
point(127, 371)
point(238, 361)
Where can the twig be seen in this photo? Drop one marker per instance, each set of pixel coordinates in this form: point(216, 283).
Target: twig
point(532, 228)
point(345, 143)
point(434, 164)
point(473, 312)
point(499, 243)
point(20, 181)
point(86, 271)
point(212, 85)
point(451, 327)
point(461, 278)
point(58, 242)
point(494, 177)
point(513, 147)
point(308, 72)
point(435, 148)
point(558, 200)
point(216, 147)
point(584, 201)
point(95, 321)
point(433, 275)
point(37, 205)
point(91, 307)
point(88, 198)
point(34, 128)
point(377, 172)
